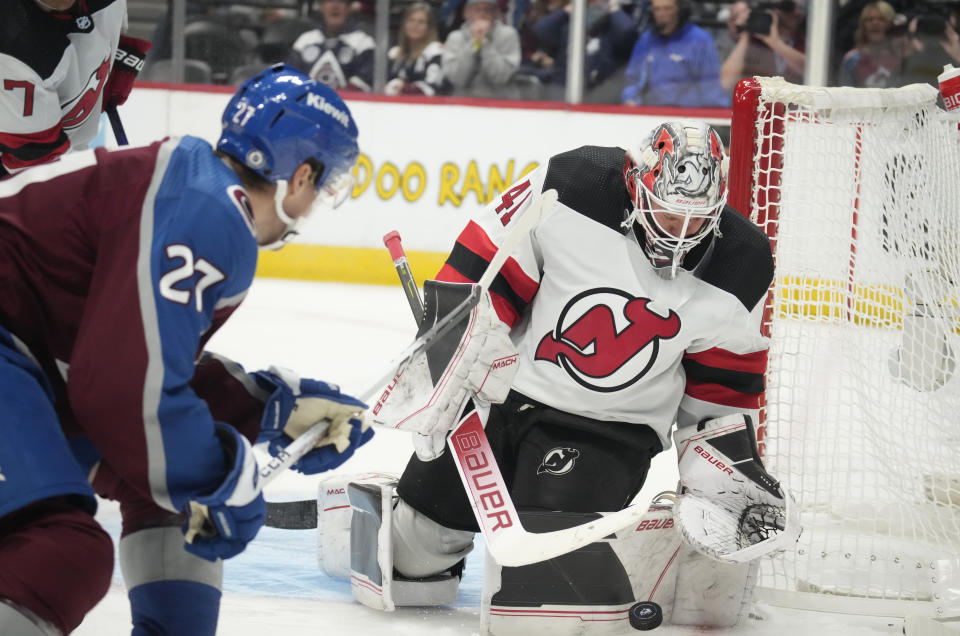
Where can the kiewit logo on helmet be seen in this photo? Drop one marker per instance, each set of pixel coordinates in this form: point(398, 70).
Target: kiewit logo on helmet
point(324, 106)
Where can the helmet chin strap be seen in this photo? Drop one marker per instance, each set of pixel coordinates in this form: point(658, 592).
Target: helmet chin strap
point(292, 224)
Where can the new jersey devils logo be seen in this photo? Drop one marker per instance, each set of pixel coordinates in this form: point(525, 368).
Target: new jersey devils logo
point(607, 339)
point(84, 104)
point(559, 461)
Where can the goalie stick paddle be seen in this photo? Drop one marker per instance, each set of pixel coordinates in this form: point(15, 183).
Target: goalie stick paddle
point(289, 455)
point(507, 541)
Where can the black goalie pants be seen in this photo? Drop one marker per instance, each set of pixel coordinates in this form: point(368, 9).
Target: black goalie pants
point(551, 461)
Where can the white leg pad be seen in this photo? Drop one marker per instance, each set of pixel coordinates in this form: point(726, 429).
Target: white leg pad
point(373, 578)
point(333, 521)
point(713, 593)
point(692, 589)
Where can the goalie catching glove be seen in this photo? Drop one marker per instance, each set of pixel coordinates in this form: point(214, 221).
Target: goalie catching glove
point(296, 404)
point(730, 508)
point(474, 359)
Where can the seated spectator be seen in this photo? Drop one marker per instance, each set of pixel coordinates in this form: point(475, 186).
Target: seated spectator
point(611, 34)
point(338, 53)
point(875, 62)
point(481, 57)
point(934, 43)
point(416, 62)
point(674, 63)
point(773, 47)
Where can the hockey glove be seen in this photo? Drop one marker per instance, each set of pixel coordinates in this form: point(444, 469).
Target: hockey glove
point(127, 63)
point(296, 404)
point(475, 359)
point(730, 508)
point(221, 524)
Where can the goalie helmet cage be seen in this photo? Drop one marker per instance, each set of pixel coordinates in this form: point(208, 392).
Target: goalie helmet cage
point(857, 190)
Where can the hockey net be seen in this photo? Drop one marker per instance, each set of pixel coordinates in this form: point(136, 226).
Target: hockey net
point(858, 191)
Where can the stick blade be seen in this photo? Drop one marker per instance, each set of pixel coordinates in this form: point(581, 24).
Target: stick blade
point(515, 546)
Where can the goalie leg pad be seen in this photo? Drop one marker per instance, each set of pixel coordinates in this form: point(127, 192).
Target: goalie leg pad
point(712, 593)
point(691, 589)
point(334, 515)
point(373, 579)
point(586, 591)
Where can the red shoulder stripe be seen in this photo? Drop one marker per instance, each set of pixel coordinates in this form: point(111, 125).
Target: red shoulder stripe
point(475, 239)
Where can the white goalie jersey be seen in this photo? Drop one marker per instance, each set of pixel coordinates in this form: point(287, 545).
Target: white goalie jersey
point(599, 332)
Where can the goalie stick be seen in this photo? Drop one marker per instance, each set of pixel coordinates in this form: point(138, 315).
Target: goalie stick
point(289, 455)
point(506, 539)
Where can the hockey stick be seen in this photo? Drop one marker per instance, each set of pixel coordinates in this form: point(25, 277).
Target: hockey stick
point(402, 265)
point(118, 132)
point(507, 541)
point(522, 224)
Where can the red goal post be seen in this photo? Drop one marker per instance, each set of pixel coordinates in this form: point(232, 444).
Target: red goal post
point(859, 192)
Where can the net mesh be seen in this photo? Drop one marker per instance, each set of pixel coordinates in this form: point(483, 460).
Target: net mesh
point(858, 191)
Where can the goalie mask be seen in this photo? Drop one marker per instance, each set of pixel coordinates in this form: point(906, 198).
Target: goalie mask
point(678, 187)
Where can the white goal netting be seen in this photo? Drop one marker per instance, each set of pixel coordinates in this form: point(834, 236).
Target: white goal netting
point(859, 191)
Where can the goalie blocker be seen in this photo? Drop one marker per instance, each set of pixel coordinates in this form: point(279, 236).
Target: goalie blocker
point(474, 359)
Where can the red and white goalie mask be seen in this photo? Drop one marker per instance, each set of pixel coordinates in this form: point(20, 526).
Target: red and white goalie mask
point(677, 180)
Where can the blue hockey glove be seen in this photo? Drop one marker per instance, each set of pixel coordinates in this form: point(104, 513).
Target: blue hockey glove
point(297, 404)
point(221, 524)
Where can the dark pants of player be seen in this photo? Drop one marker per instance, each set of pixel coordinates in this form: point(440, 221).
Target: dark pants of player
point(555, 464)
point(55, 560)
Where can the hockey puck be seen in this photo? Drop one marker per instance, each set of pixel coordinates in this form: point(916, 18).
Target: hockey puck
point(645, 615)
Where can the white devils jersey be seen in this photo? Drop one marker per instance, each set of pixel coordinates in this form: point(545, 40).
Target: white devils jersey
point(599, 332)
point(54, 68)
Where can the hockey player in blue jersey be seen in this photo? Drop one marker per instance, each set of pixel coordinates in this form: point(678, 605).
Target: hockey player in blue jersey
point(116, 267)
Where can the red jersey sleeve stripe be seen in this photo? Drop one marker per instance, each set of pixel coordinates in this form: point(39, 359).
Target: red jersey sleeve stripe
point(449, 274)
point(755, 362)
point(719, 394)
point(12, 141)
point(22, 151)
point(475, 239)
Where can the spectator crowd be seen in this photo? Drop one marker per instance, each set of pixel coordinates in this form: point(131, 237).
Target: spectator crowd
point(637, 52)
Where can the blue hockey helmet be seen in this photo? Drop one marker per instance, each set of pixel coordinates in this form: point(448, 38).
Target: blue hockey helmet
point(280, 118)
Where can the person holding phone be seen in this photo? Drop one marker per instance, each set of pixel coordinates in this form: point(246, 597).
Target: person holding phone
point(771, 42)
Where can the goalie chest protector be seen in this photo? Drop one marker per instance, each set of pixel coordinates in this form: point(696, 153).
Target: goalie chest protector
point(605, 333)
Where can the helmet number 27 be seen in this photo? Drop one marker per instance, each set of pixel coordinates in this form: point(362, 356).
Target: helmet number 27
point(209, 276)
point(243, 114)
